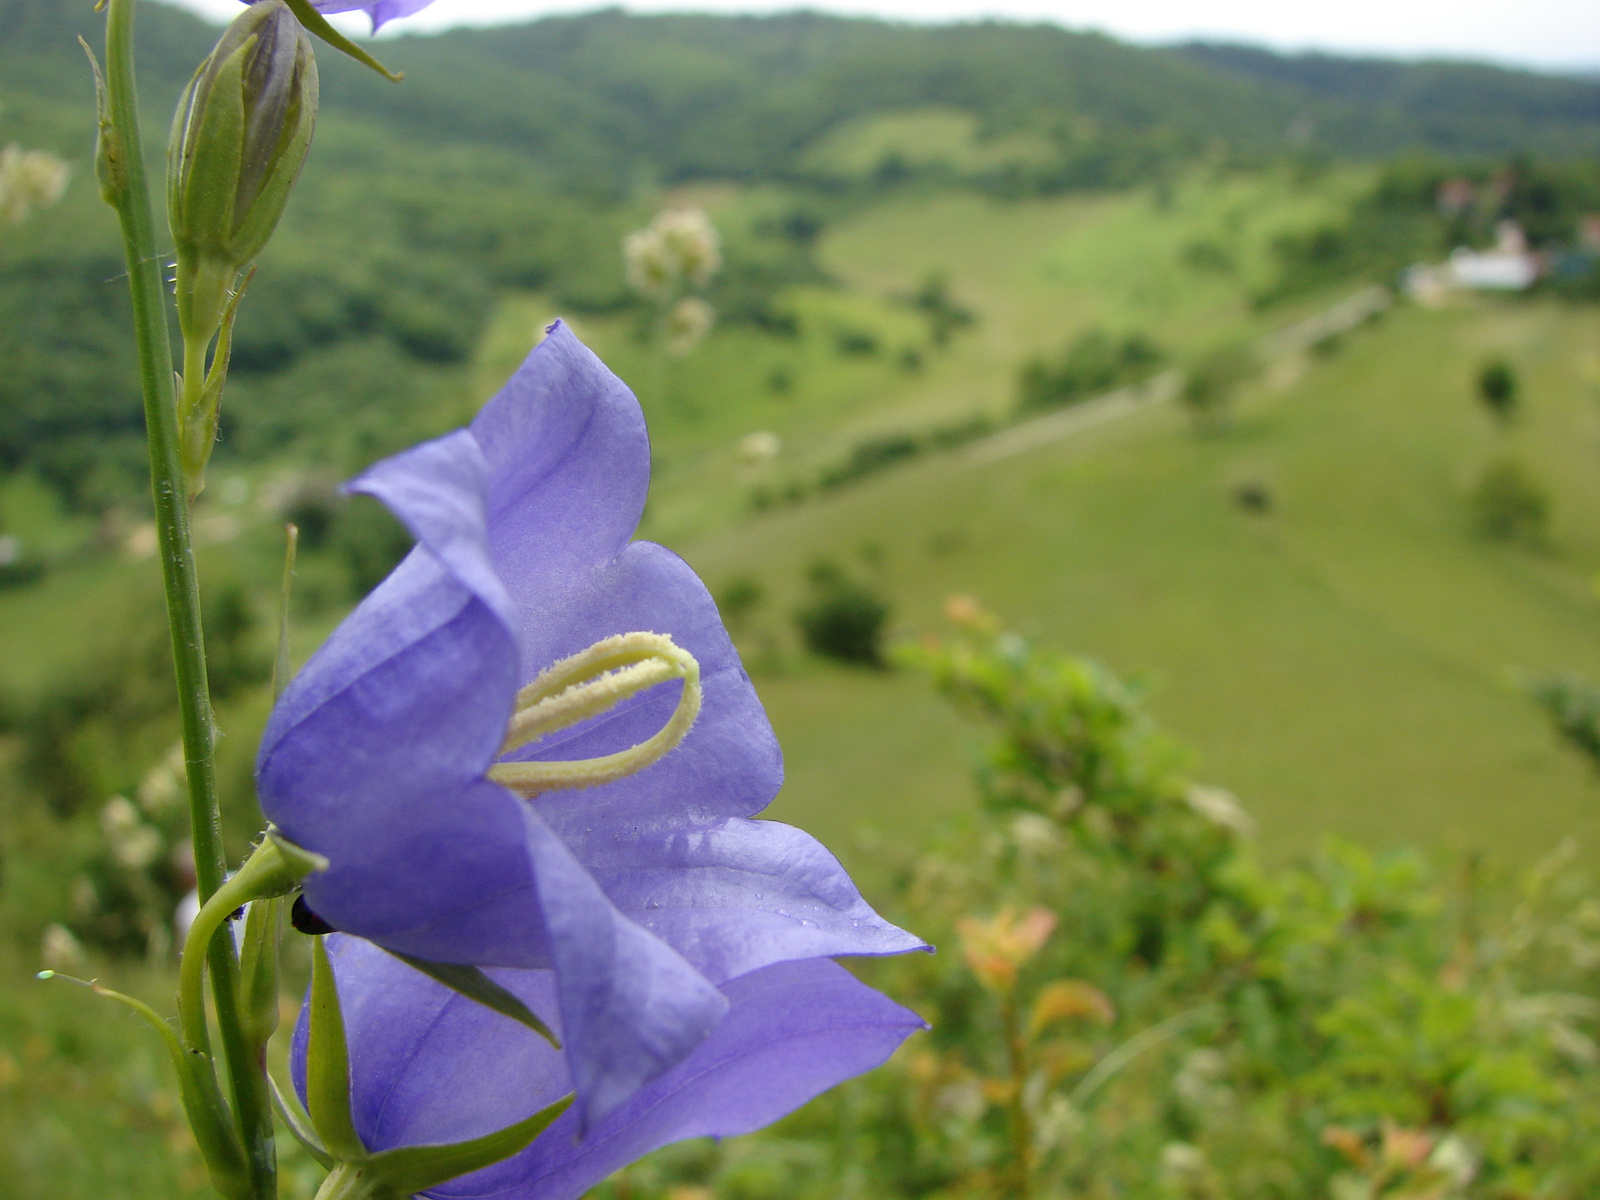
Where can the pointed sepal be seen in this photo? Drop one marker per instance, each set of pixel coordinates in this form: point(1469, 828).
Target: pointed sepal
point(298, 1122)
point(328, 1131)
point(258, 971)
point(411, 1169)
point(328, 1065)
point(317, 24)
point(475, 985)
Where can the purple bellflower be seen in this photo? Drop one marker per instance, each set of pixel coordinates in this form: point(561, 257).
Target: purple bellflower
point(379, 11)
point(431, 1067)
point(642, 887)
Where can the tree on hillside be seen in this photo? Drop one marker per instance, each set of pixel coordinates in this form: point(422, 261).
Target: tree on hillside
point(1209, 390)
point(1497, 389)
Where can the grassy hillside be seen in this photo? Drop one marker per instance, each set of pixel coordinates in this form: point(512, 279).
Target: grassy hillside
point(606, 96)
point(1032, 275)
point(1345, 662)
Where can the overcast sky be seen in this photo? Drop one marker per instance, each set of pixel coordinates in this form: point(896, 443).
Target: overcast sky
point(1539, 33)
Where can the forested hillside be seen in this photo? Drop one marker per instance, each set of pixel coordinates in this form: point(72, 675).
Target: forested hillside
point(608, 95)
point(514, 159)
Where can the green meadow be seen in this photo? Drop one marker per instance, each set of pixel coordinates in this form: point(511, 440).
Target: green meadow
point(1349, 661)
point(1346, 661)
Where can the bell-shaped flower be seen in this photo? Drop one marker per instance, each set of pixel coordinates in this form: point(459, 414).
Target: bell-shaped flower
point(380, 12)
point(616, 848)
point(428, 1067)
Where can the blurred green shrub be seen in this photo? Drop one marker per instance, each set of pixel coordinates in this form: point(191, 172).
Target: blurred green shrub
point(1213, 382)
point(1509, 503)
point(1130, 1005)
point(739, 599)
point(1094, 362)
point(1497, 389)
point(1573, 706)
point(844, 620)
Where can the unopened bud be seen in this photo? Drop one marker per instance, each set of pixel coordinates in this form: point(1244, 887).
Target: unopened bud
point(238, 141)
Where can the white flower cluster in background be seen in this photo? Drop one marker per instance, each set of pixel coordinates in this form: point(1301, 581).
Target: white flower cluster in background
point(679, 249)
point(29, 180)
point(675, 254)
point(689, 320)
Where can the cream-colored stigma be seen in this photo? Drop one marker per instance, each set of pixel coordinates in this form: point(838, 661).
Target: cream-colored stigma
point(586, 685)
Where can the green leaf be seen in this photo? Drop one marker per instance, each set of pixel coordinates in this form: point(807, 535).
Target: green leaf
point(328, 1064)
point(316, 23)
point(208, 1115)
point(475, 985)
point(411, 1169)
point(298, 1123)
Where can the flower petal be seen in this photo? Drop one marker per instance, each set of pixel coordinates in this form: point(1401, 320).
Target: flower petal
point(436, 489)
point(793, 1031)
point(631, 1006)
point(429, 1067)
point(374, 754)
point(728, 765)
point(569, 466)
point(736, 895)
point(381, 11)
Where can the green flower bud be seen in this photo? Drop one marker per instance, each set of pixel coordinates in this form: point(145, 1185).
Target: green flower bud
point(238, 141)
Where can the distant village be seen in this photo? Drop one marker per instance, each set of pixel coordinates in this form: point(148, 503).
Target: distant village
point(1511, 265)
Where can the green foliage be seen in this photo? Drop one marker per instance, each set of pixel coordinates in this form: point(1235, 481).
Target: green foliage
point(944, 313)
point(1094, 362)
point(739, 599)
point(1497, 389)
point(86, 737)
point(844, 619)
point(1573, 706)
point(1211, 384)
point(1128, 1004)
point(1509, 503)
point(513, 159)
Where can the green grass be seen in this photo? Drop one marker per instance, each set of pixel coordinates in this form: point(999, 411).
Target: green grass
point(1035, 273)
point(1345, 663)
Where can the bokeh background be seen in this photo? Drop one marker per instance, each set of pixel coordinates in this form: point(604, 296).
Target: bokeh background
point(1218, 425)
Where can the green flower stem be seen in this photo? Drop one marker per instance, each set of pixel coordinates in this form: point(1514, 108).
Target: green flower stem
point(190, 401)
point(1021, 1123)
point(126, 188)
point(271, 871)
point(349, 1181)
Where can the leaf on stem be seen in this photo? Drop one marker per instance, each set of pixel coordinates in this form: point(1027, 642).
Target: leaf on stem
point(296, 1120)
point(208, 1115)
